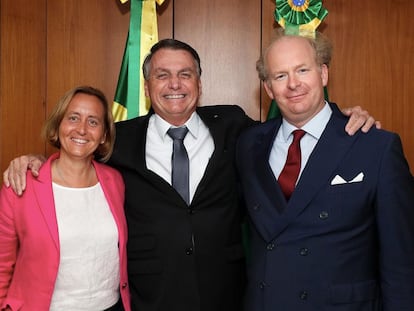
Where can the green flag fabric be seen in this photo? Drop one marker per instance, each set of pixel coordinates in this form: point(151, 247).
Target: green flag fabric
point(130, 100)
point(274, 111)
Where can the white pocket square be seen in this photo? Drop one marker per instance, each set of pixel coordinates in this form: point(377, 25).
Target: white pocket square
point(338, 180)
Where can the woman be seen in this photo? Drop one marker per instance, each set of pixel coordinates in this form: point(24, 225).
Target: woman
point(63, 242)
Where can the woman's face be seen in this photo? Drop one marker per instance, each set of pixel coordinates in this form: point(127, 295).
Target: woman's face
point(82, 128)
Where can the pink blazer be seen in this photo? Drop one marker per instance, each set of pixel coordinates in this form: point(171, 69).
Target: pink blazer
point(29, 242)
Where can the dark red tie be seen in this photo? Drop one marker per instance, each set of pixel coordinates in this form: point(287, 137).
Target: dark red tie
point(290, 172)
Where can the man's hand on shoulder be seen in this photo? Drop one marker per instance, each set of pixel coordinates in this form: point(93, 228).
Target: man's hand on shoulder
point(359, 119)
point(15, 175)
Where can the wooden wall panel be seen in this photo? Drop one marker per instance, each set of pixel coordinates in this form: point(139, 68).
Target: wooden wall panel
point(373, 61)
point(165, 19)
point(226, 34)
point(86, 41)
point(22, 77)
point(268, 26)
point(47, 47)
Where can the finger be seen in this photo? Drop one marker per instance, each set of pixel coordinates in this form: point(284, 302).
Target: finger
point(21, 173)
point(368, 124)
point(17, 181)
point(351, 111)
point(346, 111)
point(6, 178)
point(17, 174)
point(378, 125)
point(34, 165)
point(354, 124)
point(21, 184)
point(11, 177)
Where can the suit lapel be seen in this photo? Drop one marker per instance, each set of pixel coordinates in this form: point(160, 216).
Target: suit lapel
point(267, 181)
point(132, 151)
point(135, 144)
point(275, 218)
point(326, 156)
point(110, 189)
point(213, 122)
point(44, 196)
point(107, 184)
point(137, 161)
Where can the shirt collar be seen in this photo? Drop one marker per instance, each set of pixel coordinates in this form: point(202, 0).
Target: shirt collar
point(314, 127)
point(163, 126)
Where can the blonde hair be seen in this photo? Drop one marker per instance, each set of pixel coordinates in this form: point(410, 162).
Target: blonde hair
point(320, 43)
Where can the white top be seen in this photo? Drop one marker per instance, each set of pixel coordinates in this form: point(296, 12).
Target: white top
point(159, 147)
point(88, 276)
point(284, 137)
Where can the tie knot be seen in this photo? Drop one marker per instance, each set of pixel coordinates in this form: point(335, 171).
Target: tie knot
point(298, 134)
point(177, 132)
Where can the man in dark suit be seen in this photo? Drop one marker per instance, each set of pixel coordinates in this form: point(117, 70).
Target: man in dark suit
point(344, 240)
point(181, 256)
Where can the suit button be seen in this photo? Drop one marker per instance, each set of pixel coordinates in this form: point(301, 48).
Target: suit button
point(270, 246)
point(256, 207)
point(304, 251)
point(189, 251)
point(304, 295)
point(323, 215)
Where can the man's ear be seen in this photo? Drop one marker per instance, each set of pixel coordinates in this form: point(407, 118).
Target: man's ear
point(146, 88)
point(200, 88)
point(268, 89)
point(324, 74)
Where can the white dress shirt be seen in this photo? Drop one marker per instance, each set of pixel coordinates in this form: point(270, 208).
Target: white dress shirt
point(284, 137)
point(159, 146)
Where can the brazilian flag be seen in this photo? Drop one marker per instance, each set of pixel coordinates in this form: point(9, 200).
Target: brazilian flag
point(130, 100)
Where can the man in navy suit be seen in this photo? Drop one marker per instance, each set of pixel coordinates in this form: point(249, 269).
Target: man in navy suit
point(181, 256)
point(345, 238)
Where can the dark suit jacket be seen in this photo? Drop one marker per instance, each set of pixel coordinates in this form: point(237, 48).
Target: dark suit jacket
point(166, 271)
point(332, 247)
